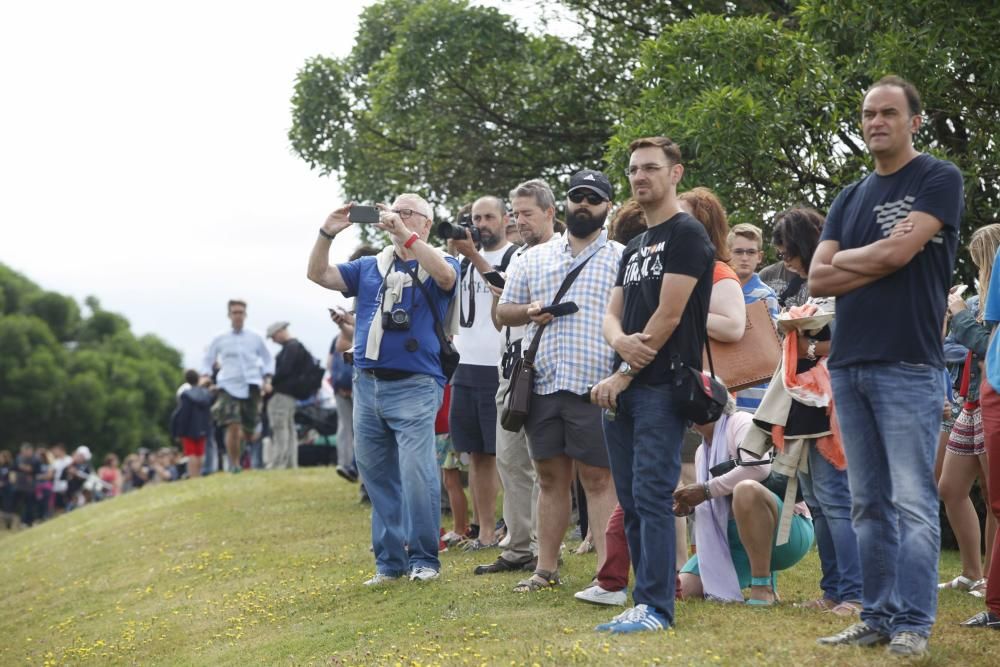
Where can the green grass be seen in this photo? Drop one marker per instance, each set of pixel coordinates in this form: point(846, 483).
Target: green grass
point(266, 569)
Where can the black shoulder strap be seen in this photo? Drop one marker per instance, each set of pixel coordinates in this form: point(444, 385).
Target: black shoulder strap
point(438, 326)
point(505, 262)
point(529, 355)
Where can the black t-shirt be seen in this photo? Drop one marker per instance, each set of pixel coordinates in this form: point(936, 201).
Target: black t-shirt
point(680, 246)
point(898, 317)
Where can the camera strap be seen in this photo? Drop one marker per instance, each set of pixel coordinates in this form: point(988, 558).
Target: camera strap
point(438, 325)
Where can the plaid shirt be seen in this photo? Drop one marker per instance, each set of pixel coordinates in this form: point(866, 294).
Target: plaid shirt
point(572, 353)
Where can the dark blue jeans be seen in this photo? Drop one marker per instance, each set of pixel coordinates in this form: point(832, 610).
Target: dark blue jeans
point(644, 447)
point(890, 415)
point(828, 495)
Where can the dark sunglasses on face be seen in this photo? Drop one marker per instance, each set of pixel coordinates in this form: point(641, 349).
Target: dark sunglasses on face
point(592, 197)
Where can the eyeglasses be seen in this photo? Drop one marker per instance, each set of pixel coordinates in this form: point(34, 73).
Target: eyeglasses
point(650, 168)
point(745, 252)
point(406, 213)
point(592, 197)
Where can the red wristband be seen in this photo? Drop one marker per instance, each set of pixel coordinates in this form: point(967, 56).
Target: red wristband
point(410, 241)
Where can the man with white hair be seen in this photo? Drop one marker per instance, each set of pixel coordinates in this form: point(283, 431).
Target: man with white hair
point(399, 381)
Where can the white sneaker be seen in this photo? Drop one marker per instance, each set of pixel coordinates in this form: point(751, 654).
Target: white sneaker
point(380, 578)
point(451, 538)
point(597, 595)
point(505, 542)
point(424, 574)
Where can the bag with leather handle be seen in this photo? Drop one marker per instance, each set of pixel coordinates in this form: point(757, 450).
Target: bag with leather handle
point(753, 359)
point(517, 400)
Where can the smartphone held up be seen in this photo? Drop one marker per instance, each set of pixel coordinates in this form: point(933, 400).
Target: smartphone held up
point(364, 215)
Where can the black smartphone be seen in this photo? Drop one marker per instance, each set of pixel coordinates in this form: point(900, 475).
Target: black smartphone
point(494, 278)
point(560, 309)
point(365, 215)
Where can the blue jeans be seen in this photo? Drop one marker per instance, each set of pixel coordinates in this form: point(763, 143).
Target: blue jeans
point(395, 450)
point(890, 414)
point(828, 495)
point(644, 448)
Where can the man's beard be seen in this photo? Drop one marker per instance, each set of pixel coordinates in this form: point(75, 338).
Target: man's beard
point(488, 239)
point(582, 224)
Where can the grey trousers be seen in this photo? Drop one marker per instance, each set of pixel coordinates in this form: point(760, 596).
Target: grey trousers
point(345, 431)
point(520, 487)
point(284, 449)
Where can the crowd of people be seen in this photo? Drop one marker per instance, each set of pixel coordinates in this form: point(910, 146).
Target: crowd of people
point(564, 365)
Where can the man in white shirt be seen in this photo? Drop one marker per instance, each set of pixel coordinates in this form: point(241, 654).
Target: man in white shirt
point(244, 376)
point(473, 414)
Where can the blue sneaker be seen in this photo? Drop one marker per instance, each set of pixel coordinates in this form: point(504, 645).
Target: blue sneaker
point(642, 619)
point(625, 616)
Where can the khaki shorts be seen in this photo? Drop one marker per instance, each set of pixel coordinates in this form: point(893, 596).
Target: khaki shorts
point(230, 410)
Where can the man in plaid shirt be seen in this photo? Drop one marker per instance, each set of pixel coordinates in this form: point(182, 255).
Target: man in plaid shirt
point(572, 355)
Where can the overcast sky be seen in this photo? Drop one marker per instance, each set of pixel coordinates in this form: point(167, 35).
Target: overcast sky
point(144, 159)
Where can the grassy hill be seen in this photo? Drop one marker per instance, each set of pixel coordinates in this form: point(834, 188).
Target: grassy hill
point(266, 569)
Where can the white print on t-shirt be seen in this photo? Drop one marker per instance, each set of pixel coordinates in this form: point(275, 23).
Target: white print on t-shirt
point(645, 263)
point(890, 214)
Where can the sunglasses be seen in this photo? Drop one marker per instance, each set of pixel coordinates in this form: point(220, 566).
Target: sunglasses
point(592, 197)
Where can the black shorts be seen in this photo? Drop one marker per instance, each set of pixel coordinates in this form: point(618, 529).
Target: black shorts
point(563, 423)
point(473, 419)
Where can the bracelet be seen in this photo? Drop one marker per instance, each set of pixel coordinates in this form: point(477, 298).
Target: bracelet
point(327, 236)
point(414, 237)
point(708, 491)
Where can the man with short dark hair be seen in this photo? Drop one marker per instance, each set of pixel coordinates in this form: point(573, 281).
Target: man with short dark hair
point(534, 209)
point(563, 430)
point(656, 322)
point(244, 377)
point(473, 416)
point(887, 361)
point(399, 381)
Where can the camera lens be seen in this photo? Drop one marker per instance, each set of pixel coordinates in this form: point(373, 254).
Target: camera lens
point(398, 316)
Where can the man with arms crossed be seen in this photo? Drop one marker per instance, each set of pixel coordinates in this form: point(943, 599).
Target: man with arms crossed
point(399, 382)
point(657, 315)
point(887, 359)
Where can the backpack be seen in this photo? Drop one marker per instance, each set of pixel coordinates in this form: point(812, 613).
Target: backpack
point(308, 378)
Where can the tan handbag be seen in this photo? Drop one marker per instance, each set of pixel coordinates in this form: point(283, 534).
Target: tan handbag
point(753, 359)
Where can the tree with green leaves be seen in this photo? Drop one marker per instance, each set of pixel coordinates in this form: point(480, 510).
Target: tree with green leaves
point(449, 100)
point(79, 380)
point(763, 96)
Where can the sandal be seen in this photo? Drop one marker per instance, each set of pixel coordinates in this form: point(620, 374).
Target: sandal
point(538, 581)
point(959, 583)
point(763, 581)
point(978, 589)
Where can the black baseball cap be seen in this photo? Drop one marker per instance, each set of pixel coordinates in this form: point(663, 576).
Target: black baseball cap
point(592, 180)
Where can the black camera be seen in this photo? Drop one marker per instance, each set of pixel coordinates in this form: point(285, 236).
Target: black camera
point(396, 320)
point(456, 231)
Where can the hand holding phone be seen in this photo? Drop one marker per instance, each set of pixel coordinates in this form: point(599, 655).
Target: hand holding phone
point(496, 279)
point(560, 309)
point(364, 215)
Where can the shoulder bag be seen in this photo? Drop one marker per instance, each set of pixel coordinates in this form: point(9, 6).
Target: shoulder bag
point(752, 359)
point(517, 399)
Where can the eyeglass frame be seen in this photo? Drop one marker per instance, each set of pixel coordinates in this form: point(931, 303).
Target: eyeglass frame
point(407, 213)
point(649, 168)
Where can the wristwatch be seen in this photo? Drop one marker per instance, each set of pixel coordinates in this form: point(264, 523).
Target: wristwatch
point(627, 370)
point(811, 350)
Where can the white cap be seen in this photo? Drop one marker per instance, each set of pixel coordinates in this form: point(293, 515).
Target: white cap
point(84, 451)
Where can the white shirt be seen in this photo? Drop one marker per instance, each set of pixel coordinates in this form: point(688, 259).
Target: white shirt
point(245, 361)
point(479, 344)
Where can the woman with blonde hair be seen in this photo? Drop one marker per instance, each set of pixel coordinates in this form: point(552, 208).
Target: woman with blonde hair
point(965, 454)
